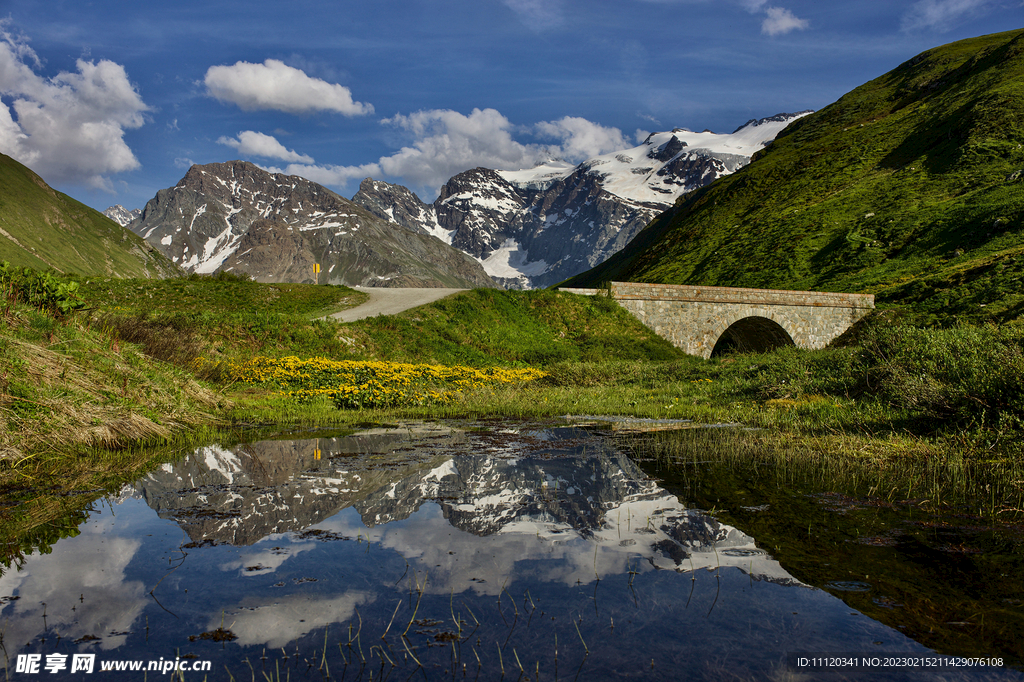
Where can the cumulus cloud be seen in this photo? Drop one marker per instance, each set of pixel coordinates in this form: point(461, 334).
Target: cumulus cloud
point(447, 142)
point(275, 85)
point(777, 21)
point(581, 139)
point(251, 143)
point(69, 128)
point(780, 20)
point(940, 14)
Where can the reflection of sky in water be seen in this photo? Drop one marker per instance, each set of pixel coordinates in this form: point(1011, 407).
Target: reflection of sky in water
point(91, 564)
point(523, 540)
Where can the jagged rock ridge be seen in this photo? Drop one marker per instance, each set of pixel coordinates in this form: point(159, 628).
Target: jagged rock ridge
point(539, 226)
point(237, 217)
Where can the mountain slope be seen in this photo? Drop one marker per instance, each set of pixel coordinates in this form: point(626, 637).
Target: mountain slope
point(237, 217)
point(908, 187)
point(535, 227)
point(42, 228)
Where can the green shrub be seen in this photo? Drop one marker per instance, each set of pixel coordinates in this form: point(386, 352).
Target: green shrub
point(790, 372)
point(965, 375)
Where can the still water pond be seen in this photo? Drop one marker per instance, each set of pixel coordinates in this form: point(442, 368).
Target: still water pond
point(432, 551)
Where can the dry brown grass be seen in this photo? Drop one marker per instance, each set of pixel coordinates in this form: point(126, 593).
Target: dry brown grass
point(132, 399)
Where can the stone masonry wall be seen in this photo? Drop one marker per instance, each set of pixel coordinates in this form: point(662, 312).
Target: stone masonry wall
point(694, 318)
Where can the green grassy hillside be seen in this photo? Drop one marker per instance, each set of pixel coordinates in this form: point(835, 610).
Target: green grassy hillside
point(42, 228)
point(910, 187)
point(485, 327)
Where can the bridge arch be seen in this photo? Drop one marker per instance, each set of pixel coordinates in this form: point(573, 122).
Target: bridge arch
point(751, 334)
point(699, 319)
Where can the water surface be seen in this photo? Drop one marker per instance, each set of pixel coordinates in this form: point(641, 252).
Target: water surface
point(460, 551)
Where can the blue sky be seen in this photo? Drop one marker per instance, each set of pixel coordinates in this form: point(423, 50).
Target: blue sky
point(112, 100)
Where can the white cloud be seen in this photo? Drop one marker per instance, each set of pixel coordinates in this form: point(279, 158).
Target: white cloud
point(252, 143)
point(780, 20)
point(275, 85)
point(69, 128)
point(939, 14)
point(648, 117)
point(446, 142)
point(276, 622)
point(582, 139)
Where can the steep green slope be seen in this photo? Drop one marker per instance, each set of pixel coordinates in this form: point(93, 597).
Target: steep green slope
point(42, 228)
point(909, 187)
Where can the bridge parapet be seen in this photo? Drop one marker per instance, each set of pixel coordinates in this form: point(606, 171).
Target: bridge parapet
point(674, 292)
point(698, 319)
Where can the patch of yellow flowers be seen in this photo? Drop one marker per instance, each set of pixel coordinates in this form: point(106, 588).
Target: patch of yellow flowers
point(359, 384)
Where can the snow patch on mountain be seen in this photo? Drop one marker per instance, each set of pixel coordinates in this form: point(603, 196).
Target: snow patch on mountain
point(511, 260)
point(643, 174)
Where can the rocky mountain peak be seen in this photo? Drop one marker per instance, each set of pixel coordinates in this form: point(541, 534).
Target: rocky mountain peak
point(204, 222)
point(121, 215)
point(666, 150)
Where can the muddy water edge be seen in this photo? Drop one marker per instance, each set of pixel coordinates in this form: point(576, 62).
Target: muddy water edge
point(556, 550)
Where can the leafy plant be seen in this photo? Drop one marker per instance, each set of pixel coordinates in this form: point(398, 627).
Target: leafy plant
point(54, 295)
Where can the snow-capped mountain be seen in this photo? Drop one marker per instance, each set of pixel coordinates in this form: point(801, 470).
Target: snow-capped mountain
point(121, 215)
point(536, 227)
point(237, 217)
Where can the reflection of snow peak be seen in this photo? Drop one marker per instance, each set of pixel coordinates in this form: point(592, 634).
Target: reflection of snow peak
point(531, 491)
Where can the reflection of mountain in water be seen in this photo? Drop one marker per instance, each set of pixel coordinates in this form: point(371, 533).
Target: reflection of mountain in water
point(557, 484)
point(242, 494)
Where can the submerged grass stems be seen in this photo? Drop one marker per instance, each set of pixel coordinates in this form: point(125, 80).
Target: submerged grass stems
point(48, 496)
point(896, 468)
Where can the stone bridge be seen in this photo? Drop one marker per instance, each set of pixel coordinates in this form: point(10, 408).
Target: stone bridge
point(706, 320)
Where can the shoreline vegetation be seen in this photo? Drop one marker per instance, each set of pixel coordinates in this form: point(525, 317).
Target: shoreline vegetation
point(95, 371)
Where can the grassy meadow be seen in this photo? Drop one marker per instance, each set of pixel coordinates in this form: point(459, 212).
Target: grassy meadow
point(129, 362)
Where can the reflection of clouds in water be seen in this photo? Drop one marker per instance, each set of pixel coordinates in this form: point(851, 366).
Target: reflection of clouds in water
point(269, 553)
point(455, 559)
point(638, 535)
point(85, 573)
point(288, 618)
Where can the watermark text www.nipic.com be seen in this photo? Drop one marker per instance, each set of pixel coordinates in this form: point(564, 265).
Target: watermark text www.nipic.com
point(87, 663)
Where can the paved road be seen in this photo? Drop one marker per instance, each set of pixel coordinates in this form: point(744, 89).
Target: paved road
point(388, 301)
